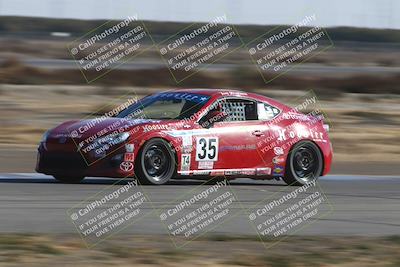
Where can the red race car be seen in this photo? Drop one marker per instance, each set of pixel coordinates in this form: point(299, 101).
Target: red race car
point(194, 133)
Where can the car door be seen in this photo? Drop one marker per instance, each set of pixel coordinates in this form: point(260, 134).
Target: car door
point(231, 144)
point(268, 147)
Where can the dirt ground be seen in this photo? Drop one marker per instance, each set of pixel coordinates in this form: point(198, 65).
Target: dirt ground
point(68, 250)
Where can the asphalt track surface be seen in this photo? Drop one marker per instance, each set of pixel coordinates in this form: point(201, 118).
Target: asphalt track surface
point(360, 205)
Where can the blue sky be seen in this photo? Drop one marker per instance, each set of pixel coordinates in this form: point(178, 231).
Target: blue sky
point(359, 13)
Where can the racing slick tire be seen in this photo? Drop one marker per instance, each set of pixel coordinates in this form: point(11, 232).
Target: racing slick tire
point(156, 164)
point(69, 179)
point(304, 164)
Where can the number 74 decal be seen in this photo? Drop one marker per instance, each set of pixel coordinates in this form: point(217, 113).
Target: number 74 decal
point(206, 148)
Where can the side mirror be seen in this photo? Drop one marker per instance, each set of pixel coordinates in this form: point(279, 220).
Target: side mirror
point(212, 117)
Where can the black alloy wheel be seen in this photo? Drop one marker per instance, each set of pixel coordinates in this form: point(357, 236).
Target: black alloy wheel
point(304, 164)
point(157, 162)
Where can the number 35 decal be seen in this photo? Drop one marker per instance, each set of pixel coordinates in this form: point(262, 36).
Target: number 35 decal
point(207, 149)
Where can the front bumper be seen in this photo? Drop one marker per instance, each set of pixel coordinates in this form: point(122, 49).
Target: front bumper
point(74, 164)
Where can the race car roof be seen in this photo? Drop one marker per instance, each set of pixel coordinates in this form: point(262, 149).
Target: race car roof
point(207, 91)
point(232, 92)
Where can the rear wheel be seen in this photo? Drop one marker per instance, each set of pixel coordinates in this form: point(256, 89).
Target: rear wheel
point(304, 164)
point(157, 162)
point(69, 179)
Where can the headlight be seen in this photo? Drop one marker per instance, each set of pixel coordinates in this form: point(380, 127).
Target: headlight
point(114, 139)
point(44, 139)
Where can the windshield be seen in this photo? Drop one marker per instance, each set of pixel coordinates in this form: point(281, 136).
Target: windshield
point(165, 106)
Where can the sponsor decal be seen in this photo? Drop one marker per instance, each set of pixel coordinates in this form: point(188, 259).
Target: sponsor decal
point(278, 170)
point(201, 172)
point(240, 172)
point(206, 148)
point(278, 160)
point(249, 172)
point(129, 157)
point(217, 173)
point(155, 127)
point(184, 96)
point(187, 143)
point(185, 162)
point(234, 93)
point(263, 171)
point(221, 172)
point(232, 172)
point(303, 133)
point(296, 116)
point(129, 148)
point(126, 166)
point(237, 148)
point(278, 150)
point(206, 165)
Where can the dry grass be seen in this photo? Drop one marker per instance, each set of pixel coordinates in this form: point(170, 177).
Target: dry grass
point(48, 250)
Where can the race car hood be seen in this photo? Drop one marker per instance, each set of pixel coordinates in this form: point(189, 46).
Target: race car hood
point(84, 129)
point(81, 135)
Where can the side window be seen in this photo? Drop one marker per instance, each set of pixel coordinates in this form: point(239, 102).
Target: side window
point(239, 109)
point(266, 111)
point(226, 110)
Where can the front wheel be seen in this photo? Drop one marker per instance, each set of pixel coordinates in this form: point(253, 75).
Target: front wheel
point(304, 164)
point(69, 179)
point(156, 162)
